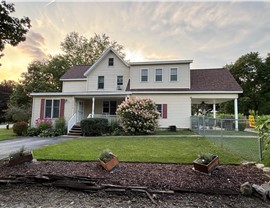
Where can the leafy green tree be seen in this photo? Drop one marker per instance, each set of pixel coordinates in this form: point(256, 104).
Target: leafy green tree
point(12, 29)
point(6, 89)
point(80, 50)
point(246, 70)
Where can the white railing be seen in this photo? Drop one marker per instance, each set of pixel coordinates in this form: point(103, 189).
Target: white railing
point(71, 122)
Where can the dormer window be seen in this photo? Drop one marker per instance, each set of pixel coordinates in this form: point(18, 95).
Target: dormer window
point(110, 62)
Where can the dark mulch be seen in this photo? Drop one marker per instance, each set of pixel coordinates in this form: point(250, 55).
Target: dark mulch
point(226, 179)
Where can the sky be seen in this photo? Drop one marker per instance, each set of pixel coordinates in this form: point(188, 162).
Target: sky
point(212, 34)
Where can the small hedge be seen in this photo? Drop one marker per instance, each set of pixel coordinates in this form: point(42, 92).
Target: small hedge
point(20, 128)
point(94, 126)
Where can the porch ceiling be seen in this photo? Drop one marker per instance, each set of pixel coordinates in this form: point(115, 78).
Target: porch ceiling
point(210, 100)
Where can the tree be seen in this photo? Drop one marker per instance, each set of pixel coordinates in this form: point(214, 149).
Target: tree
point(80, 50)
point(6, 89)
point(246, 71)
point(12, 30)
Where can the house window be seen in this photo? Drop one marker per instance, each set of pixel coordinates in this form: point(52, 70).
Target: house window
point(52, 108)
point(119, 80)
point(158, 75)
point(110, 62)
point(162, 109)
point(144, 75)
point(174, 75)
point(100, 82)
point(159, 108)
point(109, 107)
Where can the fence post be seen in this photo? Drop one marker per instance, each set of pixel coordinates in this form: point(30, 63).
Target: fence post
point(221, 132)
point(260, 148)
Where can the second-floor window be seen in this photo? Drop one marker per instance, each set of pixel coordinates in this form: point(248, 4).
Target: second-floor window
point(144, 75)
point(158, 75)
point(100, 82)
point(110, 62)
point(174, 74)
point(52, 108)
point(119, 80)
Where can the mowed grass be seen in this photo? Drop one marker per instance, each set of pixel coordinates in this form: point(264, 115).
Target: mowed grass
point(247, 148)
point(6, 134)
point(136, 149)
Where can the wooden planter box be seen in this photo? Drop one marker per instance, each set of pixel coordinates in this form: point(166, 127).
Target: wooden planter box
point(206, 168)
point(111, 164)
point(21, 159)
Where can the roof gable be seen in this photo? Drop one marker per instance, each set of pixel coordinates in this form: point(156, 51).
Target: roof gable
point(101, 59)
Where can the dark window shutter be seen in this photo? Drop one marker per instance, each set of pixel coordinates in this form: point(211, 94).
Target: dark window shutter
point(62, 108)
point(164, 111)
point(42, 108)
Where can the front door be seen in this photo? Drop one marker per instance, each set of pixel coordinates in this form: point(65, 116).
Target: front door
point(80, 111)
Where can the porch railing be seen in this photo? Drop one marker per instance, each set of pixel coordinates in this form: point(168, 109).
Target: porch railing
point(71, 122)
point(107, 116)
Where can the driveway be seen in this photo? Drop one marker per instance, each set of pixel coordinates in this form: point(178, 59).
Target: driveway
point(13, 145)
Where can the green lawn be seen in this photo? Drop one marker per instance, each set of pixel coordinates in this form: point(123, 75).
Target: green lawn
point(149, 149)
point(6, 134)
point(178, 132)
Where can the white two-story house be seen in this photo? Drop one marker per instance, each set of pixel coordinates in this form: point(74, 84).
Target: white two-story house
point(96, 90)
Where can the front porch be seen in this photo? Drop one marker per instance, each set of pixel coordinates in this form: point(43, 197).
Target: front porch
point(95, 107)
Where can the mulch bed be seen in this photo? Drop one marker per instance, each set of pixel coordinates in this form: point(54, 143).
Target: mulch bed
point(177, 177)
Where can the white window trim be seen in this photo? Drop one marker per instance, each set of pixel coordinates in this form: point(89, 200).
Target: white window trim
point(109, 61)
point(156, 75)
point(103, 83)
point(52, 107)
point(161, 114)
point(147, 75)
point(170, 73)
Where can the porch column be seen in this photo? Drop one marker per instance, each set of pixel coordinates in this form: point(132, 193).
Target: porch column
point(93, 107)
point(236, 113)
point(214, 110)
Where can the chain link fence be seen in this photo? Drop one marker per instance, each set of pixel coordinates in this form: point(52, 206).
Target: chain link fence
point(244, 142)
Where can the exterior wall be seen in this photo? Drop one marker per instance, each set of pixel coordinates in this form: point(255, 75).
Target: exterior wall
point(183, 77)
point(74, 86)
point(68, 111)
point(110, 74)
point(178, 109)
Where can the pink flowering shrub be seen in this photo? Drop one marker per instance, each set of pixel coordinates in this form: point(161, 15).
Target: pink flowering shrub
point(138, 116)
point(44, 124)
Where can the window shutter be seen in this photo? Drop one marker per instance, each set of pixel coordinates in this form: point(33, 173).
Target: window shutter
point(62, 108)
point(42, 108)
point(164, 111)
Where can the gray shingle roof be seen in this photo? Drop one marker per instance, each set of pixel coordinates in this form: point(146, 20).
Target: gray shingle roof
point(213, 80)
point(76, 72)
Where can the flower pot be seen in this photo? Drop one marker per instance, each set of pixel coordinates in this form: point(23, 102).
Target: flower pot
point(111, 164)
point(206, 168)
point(28, 157)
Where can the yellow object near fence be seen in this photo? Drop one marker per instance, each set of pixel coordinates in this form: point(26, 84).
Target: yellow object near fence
point(251, 121)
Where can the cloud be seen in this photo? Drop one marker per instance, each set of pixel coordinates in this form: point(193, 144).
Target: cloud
point(34, 46)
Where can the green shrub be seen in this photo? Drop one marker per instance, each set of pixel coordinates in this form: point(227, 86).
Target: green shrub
point(33, 131)
point(94, 126)
point(138, 116)
point(50, 133)
point(60, 125)
point(20, 128)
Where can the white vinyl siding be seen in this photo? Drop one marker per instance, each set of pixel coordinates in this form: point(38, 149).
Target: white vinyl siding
point(158, 75)
point(183, 73)
point(110, 74)
point(74, 86)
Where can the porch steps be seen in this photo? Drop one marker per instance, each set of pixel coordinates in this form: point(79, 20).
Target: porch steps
point(75, 131)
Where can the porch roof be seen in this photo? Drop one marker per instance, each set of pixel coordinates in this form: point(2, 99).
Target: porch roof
point(89, 93)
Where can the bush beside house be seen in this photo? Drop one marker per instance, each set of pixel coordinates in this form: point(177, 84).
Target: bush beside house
point(138, 116)
point(94, 126)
